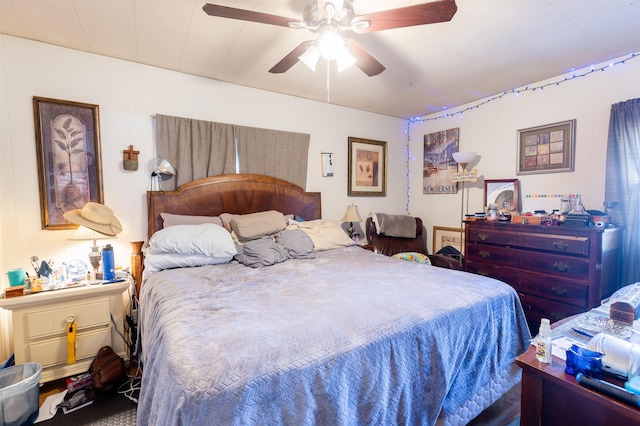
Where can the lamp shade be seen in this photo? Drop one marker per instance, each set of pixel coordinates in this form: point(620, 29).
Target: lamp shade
point(352, 215)
point(464, 157)
point(83, 233)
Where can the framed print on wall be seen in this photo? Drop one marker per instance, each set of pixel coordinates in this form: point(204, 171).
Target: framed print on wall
point(438, 162)
point(367, 168)
point(68, 154)
point(546, 149)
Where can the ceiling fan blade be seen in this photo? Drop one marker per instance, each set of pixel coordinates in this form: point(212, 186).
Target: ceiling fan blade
point(246, 15)
point(420, 14)
point(291, 58)
point(365, 60)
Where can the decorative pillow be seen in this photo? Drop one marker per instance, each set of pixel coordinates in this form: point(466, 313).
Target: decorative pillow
point(226, 220)
point(169, 219)
point(297, 242)
point(325, 234)
point(413, 257)
point(262, 252)
point(206, 238)
point(160, 261)
point(257, 225)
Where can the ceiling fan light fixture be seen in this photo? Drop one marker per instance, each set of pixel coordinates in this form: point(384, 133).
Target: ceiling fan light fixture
point(330, 44)
point(344, 59)
point(310, 57)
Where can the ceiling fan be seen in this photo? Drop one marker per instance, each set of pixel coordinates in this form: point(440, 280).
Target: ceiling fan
point(331, 19)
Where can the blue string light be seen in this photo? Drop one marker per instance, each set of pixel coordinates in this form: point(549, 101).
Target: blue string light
point(517, 92)
point(525, 89)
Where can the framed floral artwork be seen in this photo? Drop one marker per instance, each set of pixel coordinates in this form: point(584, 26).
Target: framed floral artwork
point(68, 155)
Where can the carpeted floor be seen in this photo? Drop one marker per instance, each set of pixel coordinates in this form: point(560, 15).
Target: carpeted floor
point(110, 409)
point(113, 409)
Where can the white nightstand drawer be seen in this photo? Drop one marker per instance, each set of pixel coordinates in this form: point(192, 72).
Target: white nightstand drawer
point(54, 321)
point(53, 352)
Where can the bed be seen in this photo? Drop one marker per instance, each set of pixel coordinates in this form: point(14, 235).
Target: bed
point(343, 337)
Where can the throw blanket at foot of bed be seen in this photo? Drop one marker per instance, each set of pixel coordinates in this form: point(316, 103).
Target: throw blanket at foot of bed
point(401, 226)
point(349, 338)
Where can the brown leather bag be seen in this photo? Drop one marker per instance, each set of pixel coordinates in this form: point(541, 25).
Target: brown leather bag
point(107, 370)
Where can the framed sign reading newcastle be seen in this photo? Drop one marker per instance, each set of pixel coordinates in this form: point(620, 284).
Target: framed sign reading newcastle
point(68, 151)
point(367, 168)
point(546, 149)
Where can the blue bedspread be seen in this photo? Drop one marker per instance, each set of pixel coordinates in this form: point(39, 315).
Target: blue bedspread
point(348, 338)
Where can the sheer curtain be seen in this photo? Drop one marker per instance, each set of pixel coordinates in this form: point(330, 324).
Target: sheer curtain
point(199, 149)
point(623, 182)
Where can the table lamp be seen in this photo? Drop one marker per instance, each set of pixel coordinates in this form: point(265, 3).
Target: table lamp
point(351, 215)
point(97, 222)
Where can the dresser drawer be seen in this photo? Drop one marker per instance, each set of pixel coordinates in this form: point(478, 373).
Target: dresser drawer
point(553, 243)
point(535, 283)
point(527, 260)
point(54, 321)
point(536, 308)
point(53, 352)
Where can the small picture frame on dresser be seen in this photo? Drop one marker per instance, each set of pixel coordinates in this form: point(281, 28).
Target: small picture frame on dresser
point(503, 192)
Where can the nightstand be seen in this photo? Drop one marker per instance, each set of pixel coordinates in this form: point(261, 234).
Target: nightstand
point(40, 326)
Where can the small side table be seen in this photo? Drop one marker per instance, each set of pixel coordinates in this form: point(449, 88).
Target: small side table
point(552, 397)
point(40, 326)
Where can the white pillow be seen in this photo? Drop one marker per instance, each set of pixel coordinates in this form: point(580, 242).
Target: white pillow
point(160, 261)
point(207, 238)
point(325, 234)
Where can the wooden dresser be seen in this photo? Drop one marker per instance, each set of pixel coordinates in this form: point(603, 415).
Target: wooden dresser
point(557, 271)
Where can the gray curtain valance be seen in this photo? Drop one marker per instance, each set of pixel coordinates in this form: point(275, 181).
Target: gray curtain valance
point(198, 149)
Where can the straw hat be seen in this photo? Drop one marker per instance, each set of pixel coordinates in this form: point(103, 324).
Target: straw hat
point(96, 216)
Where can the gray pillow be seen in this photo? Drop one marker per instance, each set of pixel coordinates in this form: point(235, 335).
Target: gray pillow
point(261, 252)
point(297, 242)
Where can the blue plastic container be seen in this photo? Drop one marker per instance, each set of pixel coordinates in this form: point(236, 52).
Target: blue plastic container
point(20, 394)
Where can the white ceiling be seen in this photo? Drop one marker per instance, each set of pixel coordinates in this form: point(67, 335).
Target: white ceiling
point(489, 46)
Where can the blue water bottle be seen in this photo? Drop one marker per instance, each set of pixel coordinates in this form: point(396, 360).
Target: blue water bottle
point(108, 263)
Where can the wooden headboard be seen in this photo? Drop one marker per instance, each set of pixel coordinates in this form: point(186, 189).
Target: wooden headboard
point(233, 193)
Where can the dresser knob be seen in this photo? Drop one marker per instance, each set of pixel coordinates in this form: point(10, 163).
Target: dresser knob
point(560, 245)
point(559, 291)
point(483, 237)
point(561, 267)
point(484, 254)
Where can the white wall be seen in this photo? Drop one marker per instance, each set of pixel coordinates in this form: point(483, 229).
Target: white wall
point(491, 131)
point(129, 95)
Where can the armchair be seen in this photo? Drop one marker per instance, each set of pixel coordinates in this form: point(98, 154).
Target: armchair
point(393, 245)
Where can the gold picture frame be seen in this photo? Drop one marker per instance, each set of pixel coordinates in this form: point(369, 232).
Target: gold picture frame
point(68, 154)
point(445, 236)
point(547, 149)
point(367, 168)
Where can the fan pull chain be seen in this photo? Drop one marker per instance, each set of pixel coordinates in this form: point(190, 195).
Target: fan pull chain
point(328, 81)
